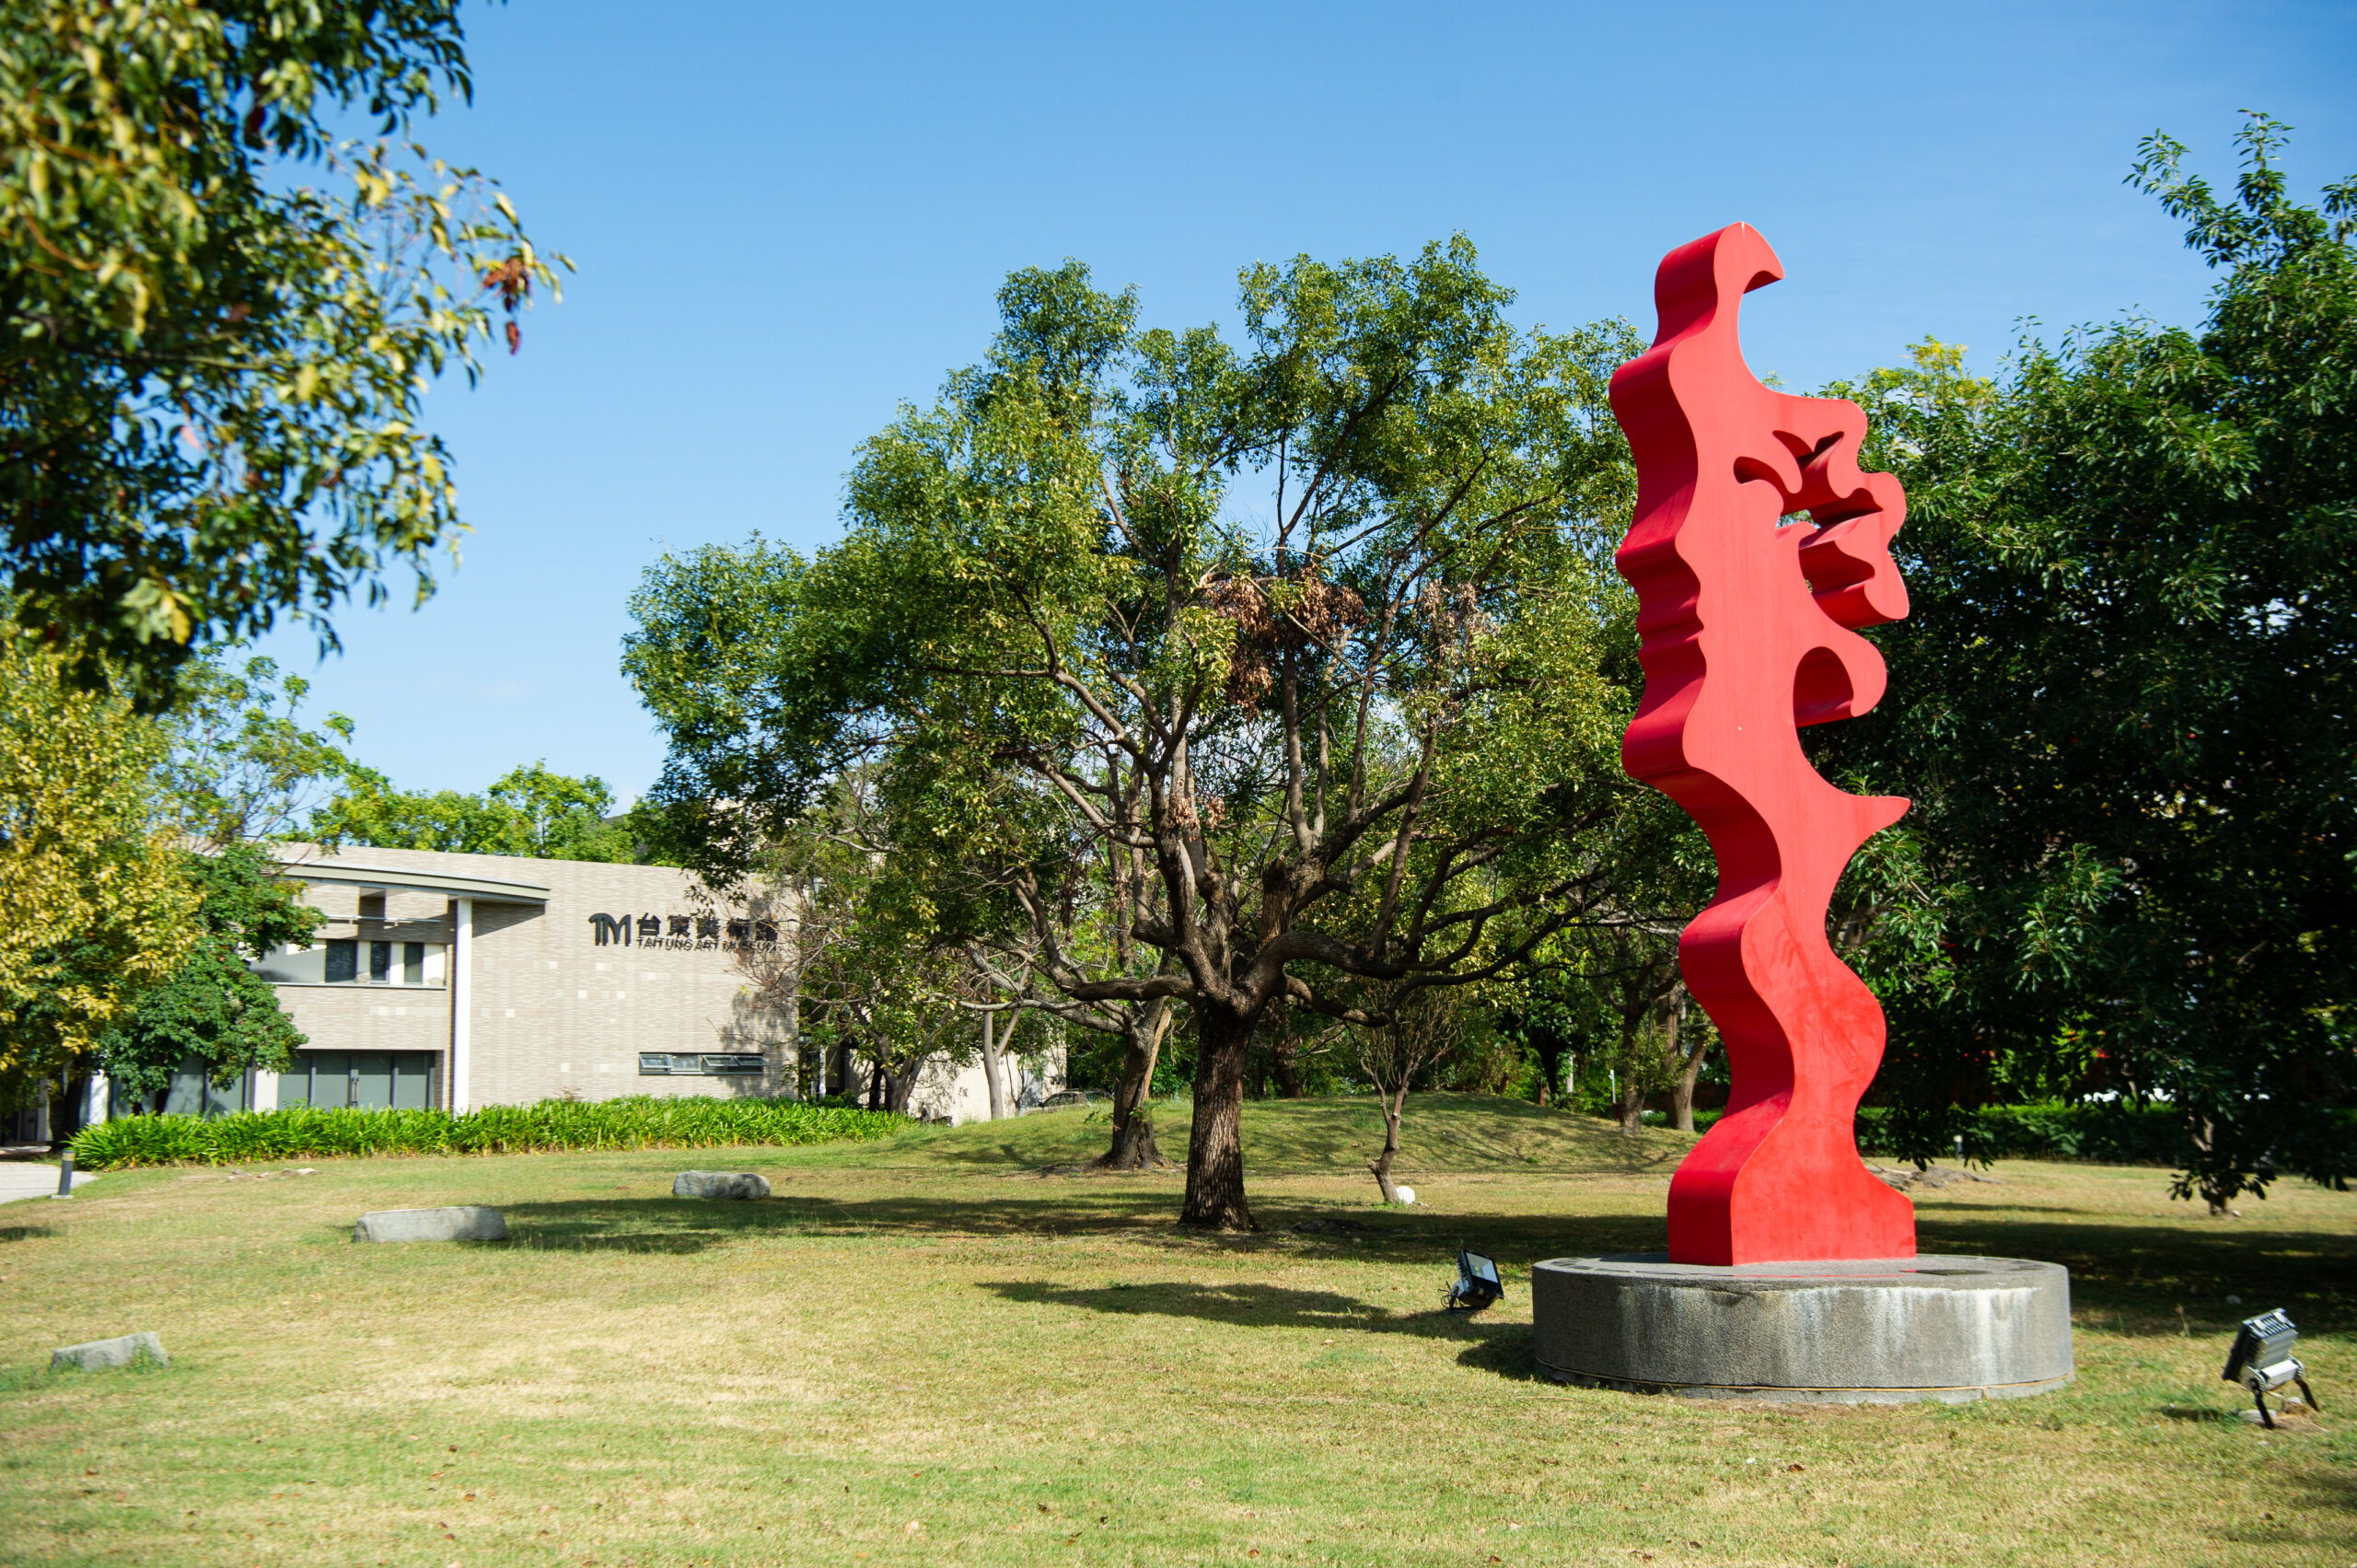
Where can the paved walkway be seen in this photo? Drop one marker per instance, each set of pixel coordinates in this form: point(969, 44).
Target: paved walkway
point(30, 1179)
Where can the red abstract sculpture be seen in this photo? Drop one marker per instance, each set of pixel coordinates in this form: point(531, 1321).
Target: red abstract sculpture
point(1747, 616)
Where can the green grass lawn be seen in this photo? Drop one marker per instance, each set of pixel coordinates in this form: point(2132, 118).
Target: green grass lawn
point(927, 1351)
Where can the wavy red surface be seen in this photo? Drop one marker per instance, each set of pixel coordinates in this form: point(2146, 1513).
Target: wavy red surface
point(1748, 630)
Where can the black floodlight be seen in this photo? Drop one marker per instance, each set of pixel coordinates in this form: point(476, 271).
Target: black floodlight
point(2262, 1361)
point(1477, 1283)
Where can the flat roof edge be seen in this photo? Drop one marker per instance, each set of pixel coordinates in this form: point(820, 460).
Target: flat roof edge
point(415, 881)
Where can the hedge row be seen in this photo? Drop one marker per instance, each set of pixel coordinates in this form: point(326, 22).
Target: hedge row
point(2106, 1132)
point(641, 1121)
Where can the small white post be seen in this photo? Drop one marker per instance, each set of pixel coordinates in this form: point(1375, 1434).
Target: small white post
point(462, 971)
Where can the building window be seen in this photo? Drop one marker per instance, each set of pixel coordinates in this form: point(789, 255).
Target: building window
point(684, 1064)
point(372, 906)
point(363, 1080)
point(337, 962)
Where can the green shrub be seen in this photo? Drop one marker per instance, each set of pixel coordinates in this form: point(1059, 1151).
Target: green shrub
point(640, 1121)
point(2109, 1133)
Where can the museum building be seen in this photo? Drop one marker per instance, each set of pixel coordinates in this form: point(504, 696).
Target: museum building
point(458, 980)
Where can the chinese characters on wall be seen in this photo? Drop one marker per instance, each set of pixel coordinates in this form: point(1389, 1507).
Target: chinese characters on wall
point(681, 931)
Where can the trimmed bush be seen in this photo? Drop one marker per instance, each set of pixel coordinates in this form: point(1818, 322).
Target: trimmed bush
point(640, 1121)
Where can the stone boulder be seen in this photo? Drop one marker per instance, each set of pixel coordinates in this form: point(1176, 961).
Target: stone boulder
point(101, 1353)
point(719, 1184)
point(466, 1222)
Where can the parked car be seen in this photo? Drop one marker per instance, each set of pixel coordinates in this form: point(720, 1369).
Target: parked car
point(1065, 1100)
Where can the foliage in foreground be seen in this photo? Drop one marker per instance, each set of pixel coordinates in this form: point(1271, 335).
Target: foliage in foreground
point(641, 1121)
point(2124, 705)
point(94, 906)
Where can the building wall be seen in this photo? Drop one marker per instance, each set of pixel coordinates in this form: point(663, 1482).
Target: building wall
point(554, 1012)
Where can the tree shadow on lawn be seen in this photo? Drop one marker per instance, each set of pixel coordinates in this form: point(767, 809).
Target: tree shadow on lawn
point(2136, 1274)
point(2140, 1274)
point(686, 1225)
point(1500, 1347)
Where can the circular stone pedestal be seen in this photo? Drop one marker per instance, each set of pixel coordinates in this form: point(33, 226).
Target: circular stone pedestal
point(1880, 1331)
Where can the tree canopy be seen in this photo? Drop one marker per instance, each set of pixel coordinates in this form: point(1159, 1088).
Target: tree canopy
point(215, 1009)
point(217, 321)
point(529, 810)
point(92, 883)
point(2123, 702)
point(1305, 636)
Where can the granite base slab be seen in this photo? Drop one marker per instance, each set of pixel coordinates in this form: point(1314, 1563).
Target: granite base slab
point(1879, 1330)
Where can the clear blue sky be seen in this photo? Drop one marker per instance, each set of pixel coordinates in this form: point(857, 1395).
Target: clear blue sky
point(790, 218)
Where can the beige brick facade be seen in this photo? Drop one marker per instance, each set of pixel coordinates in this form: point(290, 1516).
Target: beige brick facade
point(576, 970)
point(560, 1001)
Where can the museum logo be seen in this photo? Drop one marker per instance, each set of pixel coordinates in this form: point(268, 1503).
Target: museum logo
point(683, 932)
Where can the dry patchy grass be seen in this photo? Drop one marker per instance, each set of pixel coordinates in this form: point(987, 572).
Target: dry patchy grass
point(927, 1352)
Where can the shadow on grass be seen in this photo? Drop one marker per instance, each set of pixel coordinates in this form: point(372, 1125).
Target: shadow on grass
point(26, 1232)
point(2135, 1275)
point(1445, 1133)
point(683, 1224)
point(2146, 1271)
point(1503, 1348)
point(2202, 1415)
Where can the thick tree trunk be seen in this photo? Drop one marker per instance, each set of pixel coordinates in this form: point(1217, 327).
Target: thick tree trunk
point(1286, 1065)
point(1551, 1069)
point(1133, 1146)
point(2214, 1192)
point(1392, 1106)
point(990, 1067)
point(1687, 1058)
point(1215, 1142)
point(1681, 1099)
point(1632, 1096)
point(898, 1086)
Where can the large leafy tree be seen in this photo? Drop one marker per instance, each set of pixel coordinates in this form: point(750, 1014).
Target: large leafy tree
point(872, 968)
point(94, 902)
point(1307, 635)
point(216, 1010)
point(2124, 703)
point(216, 323)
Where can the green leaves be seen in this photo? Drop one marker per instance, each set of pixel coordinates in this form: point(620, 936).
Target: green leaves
point(209, 370)
point(531, 810)
point(1219, 606)
point(2123, 702)
point(92, 883)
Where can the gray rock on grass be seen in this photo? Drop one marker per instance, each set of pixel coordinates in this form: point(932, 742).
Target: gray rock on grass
point(467, 1222)
point(719, 1184)
point(98, 1354)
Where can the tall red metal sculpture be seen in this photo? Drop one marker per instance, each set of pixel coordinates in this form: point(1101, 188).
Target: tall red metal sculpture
point(1747, 615)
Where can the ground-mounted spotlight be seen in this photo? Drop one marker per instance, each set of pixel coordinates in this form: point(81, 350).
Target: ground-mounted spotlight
point(2262, 1361)
point(1478, 1284)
